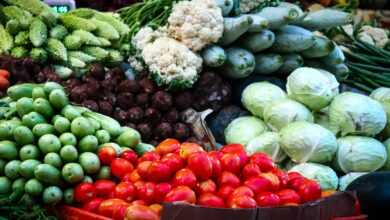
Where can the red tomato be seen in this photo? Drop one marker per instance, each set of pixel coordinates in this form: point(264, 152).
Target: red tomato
point(141, 212)
point(130, 156)
point(262, 160)
point(181, 194)
point(149, 156)
point(125, 191)
point(146, 192)
point(258, 184)
point(225, 191)
point(104, 188)
point(139, 202)
point(282, 176)
point(158, 172)
point(296, 182)
point(201, 165)
point(217, 167)
point(275, 182)
point(293, 175)
point(120, 167)
point(211, 200)
point(207, 186)
point(267, 199)
point(106, 155)
point(110, 207)
point(4, 73)
point(157, 208)
point(184, 177)
point(215, 154)
point(4, 83)
point(237, 149)
point(174, 161)
point(143, 168)
point(309, 191)
point(241, 202)
point(168, 146)
point(84, 192)
point(92, 205)
point(243, 191)
point(131, 177)
point(228, 178)
point(187, 149)
point(287, 196)
point(161, 190)
point(231, 163)
point(250, 170)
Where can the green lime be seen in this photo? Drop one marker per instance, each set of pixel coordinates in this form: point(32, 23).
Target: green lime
point(49, 143)
point(69, 153)
point(29, 152)
point(8, 150)
point(27, 167)
point(52, 195)
point(5, 185)
point(11, 169)
point(88, 143)
point(90, 162)
point(62, 124)
point(72, 173)
point(18, 184)
point(23, 135)
point(81, 127)
point(68, 139)
point(103, 136)
point(33, 187)
point(53, 159)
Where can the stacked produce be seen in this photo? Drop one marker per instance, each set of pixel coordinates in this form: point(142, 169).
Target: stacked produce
point(69, 41)
point(4, 80)
point(48, 145)
point(319, 130)
point(174, 172)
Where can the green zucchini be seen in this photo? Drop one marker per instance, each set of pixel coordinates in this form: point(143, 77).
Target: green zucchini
point(240, 63)
point(291, 38)
point(267, 63)
point(325, 18)
point(258, 23)
point(234, 28)
point(256, 42)
point(226, 6)
point(322, 47)
point(335, 57)
point(290, 63)
point(214, 56)
point(278, 16)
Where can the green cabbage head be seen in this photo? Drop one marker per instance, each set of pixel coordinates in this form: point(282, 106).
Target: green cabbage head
point(269, 143)
point(347, 179)
point(382, 95)
point(324, 175)
point(243, 129)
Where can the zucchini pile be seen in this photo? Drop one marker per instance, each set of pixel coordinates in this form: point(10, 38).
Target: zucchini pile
point(277, 40)
point(69, 41)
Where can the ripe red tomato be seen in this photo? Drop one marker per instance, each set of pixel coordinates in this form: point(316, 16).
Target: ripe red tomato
point(141, 212)
point(258, 184)
point(92, 205)
point(130, 156)
point(187, 149)
point(296, 182)
point(84, 192)
point(161, 190)
point(228, 178)
point(4, 73)
point(231, 163)
point(250, 170)
point(309, 191)
point(168, 146)
point(104, 188)
point(264, 162)
point(174, 161)
point(120, 167)
point(139, 202)
point(146, 192)
point(181, 194)
point(241, 202)
point(207, 186)
point(215, 154)
point(201, 165)
point(184, 177)
point(211, 200)
point(106, 155)
point(283, 177)
point(131, 177)
point(243, 191)
point(237, 149)
point(109, 207)
point(267, 199)
point(225, 191)
point(275, 182)
point(287, 196)
point(149, 156)
point(125, 191)
point(143, 168)
point(217, 167)
point(158, 172)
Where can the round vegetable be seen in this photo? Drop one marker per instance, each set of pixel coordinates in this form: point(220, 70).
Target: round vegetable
point(72, 173)
point(104, 173)
point(33, 187)
point(53, 159)
point(348, 179)
point(257, 95)
point(68, 139)
point(269, 143)
point(243, 129)
point(88, 143)
point(23, 135)
point(315, 88)
point(90, 162)
point(81, 127)
point(29, 152)
point(360, 154)
point(382, 95)
point(52, 195)
point(129, 138)
point(26, 168)
point(324, 175)
point(61, 124)
point(303, 141)
point(8, 150)
point(49, 143)
point(5, 185)
point(282, 112)
point(11, 169)
point(103, 136)
point(357, 114)
point(69, 153)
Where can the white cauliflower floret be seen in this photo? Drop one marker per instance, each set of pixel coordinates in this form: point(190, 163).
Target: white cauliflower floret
point(136, 63)
point(147, 35)
point(248, 5)
point(196, 23)
point(172, 63)
point(374, 36)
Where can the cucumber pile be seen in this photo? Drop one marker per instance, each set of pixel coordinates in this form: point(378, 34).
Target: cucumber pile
point(70, 41)
point(277, 40)
point(47, 145)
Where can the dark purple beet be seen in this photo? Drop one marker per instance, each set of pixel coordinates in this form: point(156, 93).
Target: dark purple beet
point(105, 108)
point(91, 104)
point(147, 85)
point(135, 114)
point(97, 71)
point(125, 100)
point(152, 115)
point(183, 100)
point(162, 100)
point(171, 116)
point(121, 115)
point(129, 86)
point(146, 131)
point(163, 130)
point(142, 100)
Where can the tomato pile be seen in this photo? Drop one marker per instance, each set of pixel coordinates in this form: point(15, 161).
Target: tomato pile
point(184, 172)
point(4, 79)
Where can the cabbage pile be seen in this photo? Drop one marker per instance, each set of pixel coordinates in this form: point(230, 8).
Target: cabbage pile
point(313, 129)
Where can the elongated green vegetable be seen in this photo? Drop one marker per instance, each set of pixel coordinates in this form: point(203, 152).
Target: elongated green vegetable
point(77, 23)
point(291, 38)
point(256, 42)
point(325, 18)
point(267, 63)
point(38, 33)
point(59, 32)
point(39, 55)
point(73, 42)
point(22, 38)
point(87, 37)
point(278, 16)
point(22, 90)
point(121, 27)
point(23, 17)
point(105, 29)
point(225, 5)
point(322, 47)
point(34, 6)
point(335, 57)
point(97, 52)
point(234, 28)
point(19, 52)
point(240, 63)
point(82, 56)
point(82, 12)
point(214, 56)
point(57, 50)
point(107, 123)
point(290, 63)
point(296, 7)
point(13, 26)
point(62, 71)
point(6, 40)
point(76, 63)
point(258, 23)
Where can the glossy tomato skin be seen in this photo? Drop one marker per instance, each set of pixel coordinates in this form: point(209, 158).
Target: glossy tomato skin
point(184, 177)
point(130, 156)
point(228, 178)
point(264, 162)
point(125, 191)
point(181, 194)
point(201, 165)
point(143, 168)
point(140, 212)
point(241, 202)
point(207, 186)
point(132, 177)
point(106, 155)
point(146, 192)
point(243, 191)
point(283, 177)
point(158, 172)
point(288, 196)
point(174, 162)
point(225, 191)
point(84, 192)
point(237, 149)
point(275, 182)
point(250, 170)
point(149, 156)
point(215, 154)
point(92, 205)
point(267, 199)
point(161, 190)
point(112, 207)
point(138, 202)
point(186, 149)
point(120, 167)
point(167, 146)
point(309, 191)
point(217, 167)
point(211, 200)
point(258, 184)
point(104, 188)
point(296, 183)
point(231, 162)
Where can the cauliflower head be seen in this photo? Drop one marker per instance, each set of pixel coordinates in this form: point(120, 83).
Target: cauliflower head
point(248, 5)
point(172, 63)
point(374, 36)
point(196, 23)
point(147, 35)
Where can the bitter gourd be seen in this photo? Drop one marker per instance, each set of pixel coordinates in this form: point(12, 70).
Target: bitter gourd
point(58, 32)
point(19, 52)
point(57, 50)
point(38, 33)
point(22, 38)
point(82, 56)
point(76, 23)
point(72, 42)
point(6, 40)
point(121, 27)
point(97, 52)
point(39, 55)
point(13, 26)
point(82, 12)
point(22, 16)
point(76, 63)
point(87, 38)
point(34, 6)
point(106, 30)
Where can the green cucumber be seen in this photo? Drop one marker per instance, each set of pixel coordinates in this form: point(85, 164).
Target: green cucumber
point(267, 63)
point(322, 47)
point(291, 38)
point(256, 42)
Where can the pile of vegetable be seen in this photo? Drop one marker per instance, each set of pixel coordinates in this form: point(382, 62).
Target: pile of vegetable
point(48, 145)
point(314, 130)
point(4, 80)
point(184, 172)
point(69, 41)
